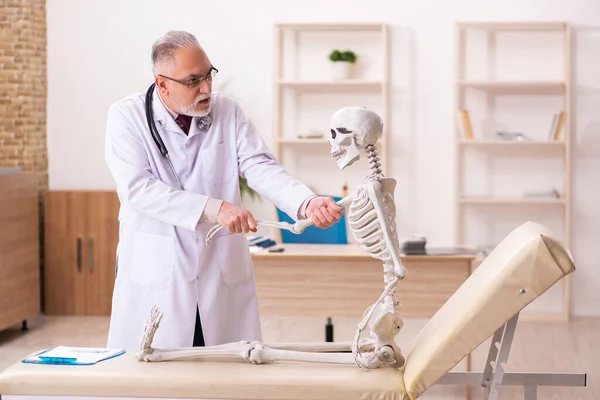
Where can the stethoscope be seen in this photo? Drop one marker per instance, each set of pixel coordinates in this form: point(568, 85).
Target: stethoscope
point(204, 125)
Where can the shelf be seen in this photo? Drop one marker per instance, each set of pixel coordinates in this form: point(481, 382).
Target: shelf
point(533, 26)
point(515, 86)
point(323, 26)
point(511, 143)
point(332, 85)
point(489, 57)
point(512, 200)
point(306, 93)
point(319, 141)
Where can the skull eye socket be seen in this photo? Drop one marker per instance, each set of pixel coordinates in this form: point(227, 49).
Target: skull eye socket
point(341, 129)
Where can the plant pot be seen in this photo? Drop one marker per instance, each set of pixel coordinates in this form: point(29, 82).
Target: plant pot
point(342, 70)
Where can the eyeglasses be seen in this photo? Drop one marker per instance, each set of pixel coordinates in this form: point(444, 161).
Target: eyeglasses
point(195, 81)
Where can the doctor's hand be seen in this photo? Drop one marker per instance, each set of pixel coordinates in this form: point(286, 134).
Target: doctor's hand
point(324, 211)
point(236, 219)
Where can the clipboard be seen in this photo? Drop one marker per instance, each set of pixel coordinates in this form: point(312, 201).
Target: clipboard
point(64, 355)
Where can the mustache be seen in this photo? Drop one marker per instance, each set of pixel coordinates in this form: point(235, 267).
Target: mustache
point(201, 98)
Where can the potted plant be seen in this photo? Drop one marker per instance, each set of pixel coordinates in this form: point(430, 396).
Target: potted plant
point(343, 63)
point(245, 189)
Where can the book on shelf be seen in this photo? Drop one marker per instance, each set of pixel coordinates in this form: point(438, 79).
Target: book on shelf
point(558, 122)
point(548, 194)
point(464, 125)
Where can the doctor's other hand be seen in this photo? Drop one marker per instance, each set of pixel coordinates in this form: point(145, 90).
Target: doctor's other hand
point(236, 219)
point(324, 211)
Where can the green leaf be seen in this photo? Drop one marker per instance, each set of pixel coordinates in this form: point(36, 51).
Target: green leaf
point(346, 56)
point(245, 189)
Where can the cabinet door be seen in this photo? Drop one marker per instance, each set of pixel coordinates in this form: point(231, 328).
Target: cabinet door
point(64, 236)
point(101, 246)
point(19, 248)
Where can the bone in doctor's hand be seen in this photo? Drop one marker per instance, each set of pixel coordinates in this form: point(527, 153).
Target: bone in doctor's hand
point(324, 211)
point(236, 219)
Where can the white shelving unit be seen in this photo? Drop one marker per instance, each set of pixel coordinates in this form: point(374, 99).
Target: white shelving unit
point(302, 70)
point(521, 60)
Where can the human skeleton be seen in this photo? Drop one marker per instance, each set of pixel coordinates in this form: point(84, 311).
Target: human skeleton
point(371, 217)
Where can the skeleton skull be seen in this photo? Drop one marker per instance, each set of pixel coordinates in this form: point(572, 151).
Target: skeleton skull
point(352, 129)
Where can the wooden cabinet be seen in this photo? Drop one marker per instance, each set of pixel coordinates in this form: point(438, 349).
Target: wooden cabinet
point(81, 236)
point(19, 248)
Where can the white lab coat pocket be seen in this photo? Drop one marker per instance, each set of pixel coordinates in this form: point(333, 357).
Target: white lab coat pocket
point(219, 166)
point(153, 260)
point(233, 258)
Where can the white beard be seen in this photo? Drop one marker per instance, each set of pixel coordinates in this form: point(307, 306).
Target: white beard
point(191, 110)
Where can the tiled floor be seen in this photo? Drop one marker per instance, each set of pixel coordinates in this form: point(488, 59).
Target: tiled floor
point(537, 347)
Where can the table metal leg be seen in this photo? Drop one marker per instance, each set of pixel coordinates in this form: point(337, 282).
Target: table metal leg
point(529, 392)
point(329, 330)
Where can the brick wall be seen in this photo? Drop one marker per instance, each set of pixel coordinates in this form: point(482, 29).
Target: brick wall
point(23, 86)
point(23, 95)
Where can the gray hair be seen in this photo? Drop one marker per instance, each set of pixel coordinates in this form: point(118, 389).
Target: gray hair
point(164, 47)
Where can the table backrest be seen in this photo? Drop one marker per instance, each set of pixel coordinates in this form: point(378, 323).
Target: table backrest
point(521, 268)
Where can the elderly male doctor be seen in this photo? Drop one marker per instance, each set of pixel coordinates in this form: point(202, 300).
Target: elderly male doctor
point(207, 294)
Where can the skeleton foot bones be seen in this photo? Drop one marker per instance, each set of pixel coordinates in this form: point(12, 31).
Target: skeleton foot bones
point(371, 218)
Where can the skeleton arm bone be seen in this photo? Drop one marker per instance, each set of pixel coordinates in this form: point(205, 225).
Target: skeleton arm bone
point(297, 228)
point(375, 194)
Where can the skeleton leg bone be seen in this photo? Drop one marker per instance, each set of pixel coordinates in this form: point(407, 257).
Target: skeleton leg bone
point(230, 350)
point(255, 352)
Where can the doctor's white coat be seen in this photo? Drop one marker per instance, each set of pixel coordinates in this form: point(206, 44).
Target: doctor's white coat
point(162, 258)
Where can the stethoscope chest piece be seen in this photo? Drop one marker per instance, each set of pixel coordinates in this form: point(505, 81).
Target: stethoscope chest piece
point(204, 123)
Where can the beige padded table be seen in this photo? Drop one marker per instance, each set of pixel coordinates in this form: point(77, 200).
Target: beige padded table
point(124, 376)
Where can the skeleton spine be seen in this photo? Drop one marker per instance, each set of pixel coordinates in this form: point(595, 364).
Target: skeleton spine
point(373, 158)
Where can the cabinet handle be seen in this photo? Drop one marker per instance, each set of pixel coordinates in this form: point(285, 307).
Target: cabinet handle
point(91, 254)
point(79, 254)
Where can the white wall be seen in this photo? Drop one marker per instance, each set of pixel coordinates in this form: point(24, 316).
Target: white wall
point(98, 52)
